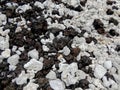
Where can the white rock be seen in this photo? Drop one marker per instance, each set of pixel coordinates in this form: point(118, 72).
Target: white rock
point(51, 36)
point(78, 89)
point(23, 8)
point(91, 86)
point(57, 84)
point(6, 53)
point(97, 82)
point(21, 79)
point(39, 4)
point(51, 75)
point(81, 74)
point(74, 3)
point(12, 67)
point(33, 54)
point(34, 65)
point(14, 48)
point(113, 70)
point(106, 83)
point(18, 52)
point(99, 71)
point(4, 43)
point(31, 86)
point(13, 60)
point(66, 51)
point(45, 48)
point(3, 19)
point(69, 73)
point(108, 64)
point(21, 48)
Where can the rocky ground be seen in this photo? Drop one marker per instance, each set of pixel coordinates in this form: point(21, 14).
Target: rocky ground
point(59, 44)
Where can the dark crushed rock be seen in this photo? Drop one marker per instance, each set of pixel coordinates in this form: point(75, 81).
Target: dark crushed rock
point(114, 21)
point(60, 43)
point(83, 83)
point(90, 39)
point(75, 51)
point(112, 32)
point(109, 12)
point(84, 61)
point(99, 26)
point(70, 32)
point(115, 8)
point(108, 75)
point(83, 2)
point(117, 48)
point(110, 2)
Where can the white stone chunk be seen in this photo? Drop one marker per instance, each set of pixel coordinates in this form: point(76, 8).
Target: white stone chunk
point(21, 79)
point(34, 65)
point(81, 74)
point(3, 19)
point(108, 64)
point(57, 84)
point(99, 71)
point(33, 54)
point(51, 75)
point(74, 3)
point(6, 53)
point(31, 86)
point(23, 8)
point(39, 4)
point(106, 83)
point(45, 48)
point(13, 60)
point(12, 67)
point(66, 51)
point(4, 43)
point(14, 48)
point(68, 74)
point(21, 48)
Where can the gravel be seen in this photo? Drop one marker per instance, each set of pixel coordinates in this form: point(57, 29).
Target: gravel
point(59, 45)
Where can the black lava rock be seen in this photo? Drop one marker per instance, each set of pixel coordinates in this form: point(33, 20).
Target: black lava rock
point(117, 48)
point(114, 21)
point(112, 32)
point(83, 83)
point(109, 12)
point(99, 26)
point(84, 61)
point(109, 2)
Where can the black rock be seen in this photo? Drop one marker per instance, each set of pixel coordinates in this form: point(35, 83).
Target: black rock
point(84, 61)
point(99, 26)
point(55, 12)
point(70, 32)
point(114, 21)
point(115, 7)
point(109, 12)
point(109, 2)
point(83, 2)
point(112, 32)
point(84, 84)
point(90, 39)
point(60, 43)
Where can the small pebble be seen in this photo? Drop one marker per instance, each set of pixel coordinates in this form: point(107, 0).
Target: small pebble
point(108, 64)
point(99, 71)
point(57, 84)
